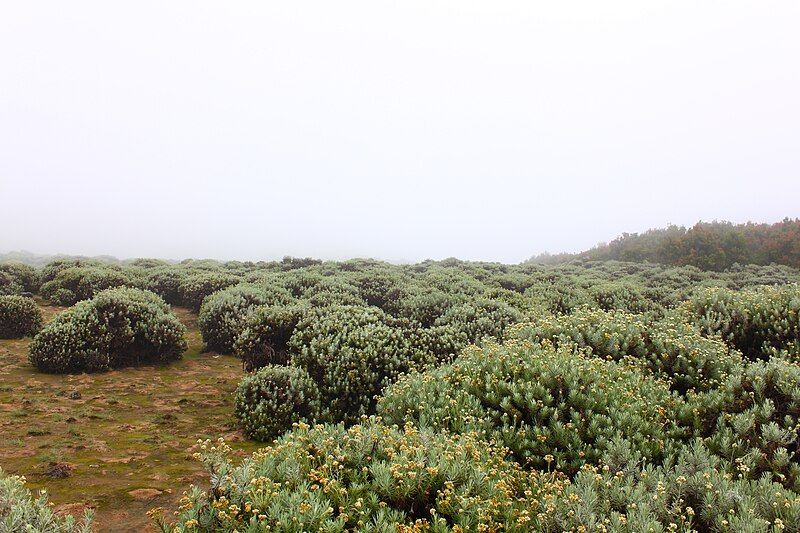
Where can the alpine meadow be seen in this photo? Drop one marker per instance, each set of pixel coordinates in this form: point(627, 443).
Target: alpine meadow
point(399, 267)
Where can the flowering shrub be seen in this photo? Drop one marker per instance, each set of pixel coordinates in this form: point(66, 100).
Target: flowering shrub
point(553, 408)
point(753, 421)
point(20, 512)
point(19, 317)
point(369, 477)
point(269, 401)
point(118, 327)
point(693, 493)
point(760, 321)
point(671, 349)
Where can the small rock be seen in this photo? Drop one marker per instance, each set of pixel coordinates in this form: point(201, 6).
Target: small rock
point(74, 395)
point(59, 470)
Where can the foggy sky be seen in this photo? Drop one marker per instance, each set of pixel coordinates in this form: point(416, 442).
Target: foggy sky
point(399, 130)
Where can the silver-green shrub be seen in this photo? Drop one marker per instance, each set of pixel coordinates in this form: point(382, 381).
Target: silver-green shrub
point(270, 400)
point(118, 327)
point(19, 317)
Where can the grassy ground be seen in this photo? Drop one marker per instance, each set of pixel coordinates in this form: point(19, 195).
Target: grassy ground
point(119, 441)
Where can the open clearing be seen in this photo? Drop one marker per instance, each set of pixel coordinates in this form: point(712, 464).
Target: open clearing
point(118, 441)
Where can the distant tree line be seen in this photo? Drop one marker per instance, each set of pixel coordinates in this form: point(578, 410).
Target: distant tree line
point(706, 245)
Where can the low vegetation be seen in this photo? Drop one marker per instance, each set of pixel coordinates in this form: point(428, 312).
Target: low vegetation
point(439, 396)
point(19, 317)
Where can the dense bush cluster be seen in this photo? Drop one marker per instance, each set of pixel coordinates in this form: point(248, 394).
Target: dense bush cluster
point(194, 288)
point(71, 285)
point(753, 420)
point(554, 409)
point(19, 511)
point(19, 317)
point(16, 278)
point(369, 477)
point(671, 349)
point(587, 396)
point(118, 327)
point(761, 321)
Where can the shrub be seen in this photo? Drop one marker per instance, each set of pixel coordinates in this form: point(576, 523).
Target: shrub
point(269, 401)
point(366, 478)
point(693, 494)
point(621, 296)
point(224, 312)
point(479, 318)
point(377, 287)
point(72, 285)
point(118, 327)
point(19, 317)
point(753, 421)
point(559, 298)
point(424, 306)
point(20, 275)
point(51, 269)
point(194, 288)
point(166, 282)
point(353, 353)
point(672, 350)
point(265, 334)
point(9, 285)
point(20, 512)
point(552, 408)
point(760, 321)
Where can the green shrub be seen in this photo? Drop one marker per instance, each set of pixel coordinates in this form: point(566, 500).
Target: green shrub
point(118, 327)
point(559, 298)
point(621, 296)
point(194, 288)
point(759, 322)
point(753, 421)
point(479, 318)
point(224, 312)
point(9, 285)
point(353, 353)
point(366, 478)
point(19, 317)
point(166, 282)
point(265, 333)
point(19, 512)
point(72, 285)
point(552, 408)
point(22, 277)
point(672, 350)
point(51, 269)
point(693, 494)
point(378, 287)
point(423, 306)
point(269, 401)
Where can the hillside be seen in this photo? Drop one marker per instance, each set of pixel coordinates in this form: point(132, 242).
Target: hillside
point(714, 245)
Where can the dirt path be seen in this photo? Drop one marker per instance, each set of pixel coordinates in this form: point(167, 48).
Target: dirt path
point(120, 439)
